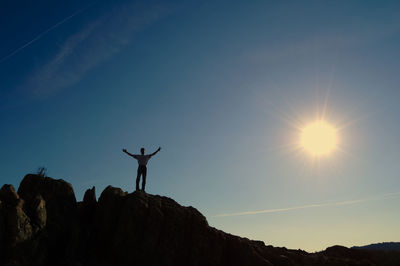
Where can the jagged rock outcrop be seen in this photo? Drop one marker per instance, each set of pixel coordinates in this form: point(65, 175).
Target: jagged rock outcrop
point(43, 224)
point(14, 220)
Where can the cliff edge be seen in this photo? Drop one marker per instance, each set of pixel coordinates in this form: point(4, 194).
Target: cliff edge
point(43, 224)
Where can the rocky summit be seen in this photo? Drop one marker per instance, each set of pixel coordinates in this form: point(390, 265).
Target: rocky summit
point(43, 224)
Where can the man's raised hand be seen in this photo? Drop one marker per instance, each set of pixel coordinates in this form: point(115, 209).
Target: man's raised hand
point(124, 150)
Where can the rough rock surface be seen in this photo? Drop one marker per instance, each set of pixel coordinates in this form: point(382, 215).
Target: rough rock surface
point(43, 224)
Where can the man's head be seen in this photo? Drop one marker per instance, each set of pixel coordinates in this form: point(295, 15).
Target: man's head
point(142, 150)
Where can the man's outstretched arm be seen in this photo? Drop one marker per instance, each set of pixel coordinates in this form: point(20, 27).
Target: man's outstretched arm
point(130, 154)
point(154, 153)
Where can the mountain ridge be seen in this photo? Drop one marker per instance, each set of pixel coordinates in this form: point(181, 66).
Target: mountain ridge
point(380, 246)
point(43, 224)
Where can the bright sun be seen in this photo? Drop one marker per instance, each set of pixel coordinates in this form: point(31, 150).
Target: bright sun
point(319, 138)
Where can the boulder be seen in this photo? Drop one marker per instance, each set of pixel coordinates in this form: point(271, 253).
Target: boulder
point(59, 197)
point(8, 194)
point(111, 194)
point(52, 207)
point(18, 224)
point(15, 226)
point(38, 213)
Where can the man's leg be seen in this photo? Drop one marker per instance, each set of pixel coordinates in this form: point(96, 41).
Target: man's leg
point(144, 174)
point(139, 172)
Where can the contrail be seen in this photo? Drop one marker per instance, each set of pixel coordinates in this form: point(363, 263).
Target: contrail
point(337, 203)
point(42, 34)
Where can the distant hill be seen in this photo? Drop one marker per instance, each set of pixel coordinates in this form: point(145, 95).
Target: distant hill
point(43, 224)
point(381, 246)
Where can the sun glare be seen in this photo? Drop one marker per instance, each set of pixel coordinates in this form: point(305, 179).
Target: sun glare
point(319, 138)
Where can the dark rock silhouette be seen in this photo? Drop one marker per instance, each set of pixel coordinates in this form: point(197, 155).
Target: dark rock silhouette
point(43, 224)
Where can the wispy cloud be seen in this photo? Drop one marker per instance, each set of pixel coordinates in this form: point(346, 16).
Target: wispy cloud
point(316, 205)
point(94, 44)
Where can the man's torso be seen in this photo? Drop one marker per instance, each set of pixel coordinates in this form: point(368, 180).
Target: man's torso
point(142, 159)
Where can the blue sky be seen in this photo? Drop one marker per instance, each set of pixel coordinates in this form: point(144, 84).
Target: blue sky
point(222, 87)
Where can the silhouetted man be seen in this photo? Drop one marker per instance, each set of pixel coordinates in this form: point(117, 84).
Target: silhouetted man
point(142, 162)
